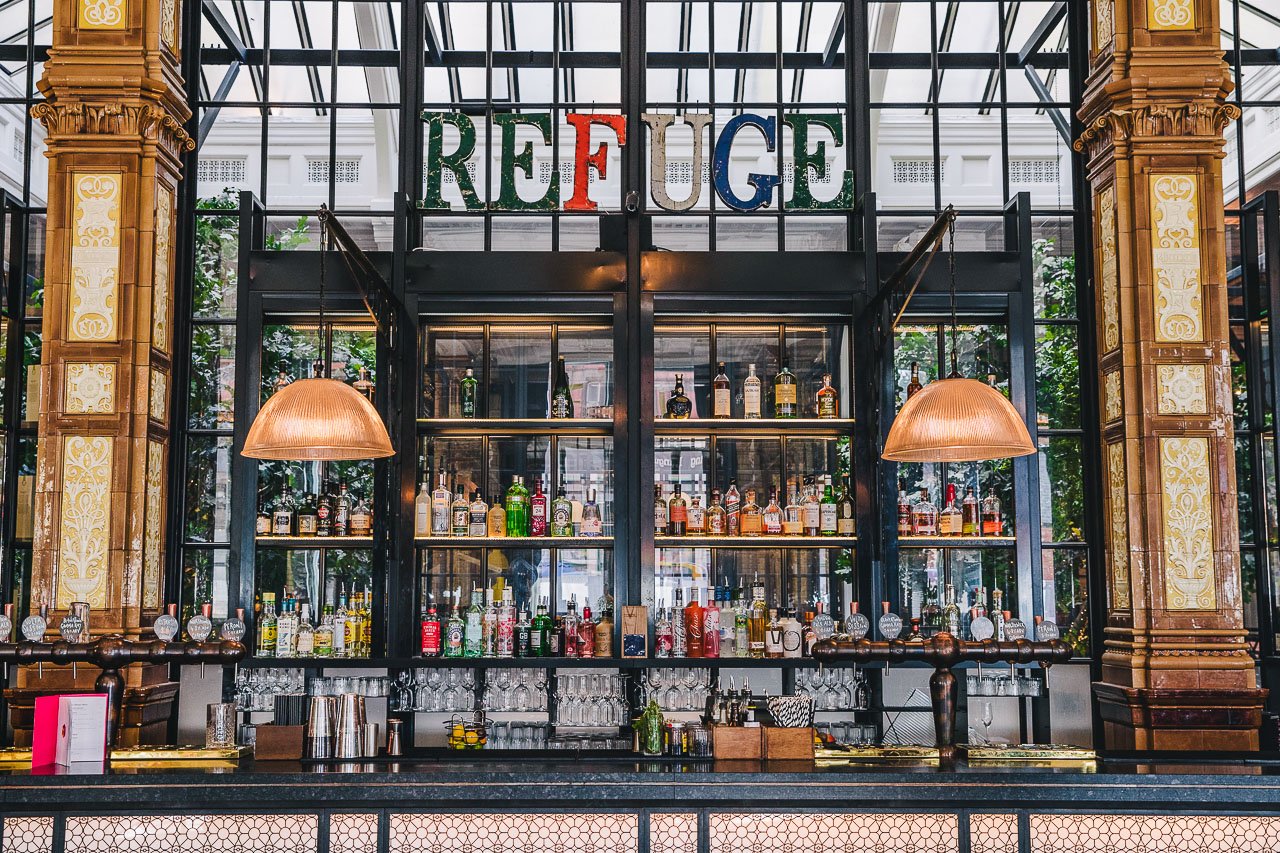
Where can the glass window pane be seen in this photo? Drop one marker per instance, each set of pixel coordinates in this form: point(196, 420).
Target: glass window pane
point(208, 501)
point(1058, 377)
point(813, 350)
point(451, 350)
point(1065, 603)
point(211, 395)
point(217, 258)
point(588, 356)
point(1062, 489)
point(520, 371)
point(683, 351)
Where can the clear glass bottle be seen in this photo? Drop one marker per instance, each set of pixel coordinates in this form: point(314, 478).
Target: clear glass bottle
point(459, 515)
point(970, 520)
point(992, 518)
point(440, 508)
point(524, 636)
point(663, 634)
point(287, 630)
point(751, 521)
point(741, 627)
point(489, 627)
point(828, 512)
point(792, 521)
point(323, 639)
point(468, 394)
point(786, 402)
point(422, 509)
point(757, 621)
point(341, 635)
point(721, 394)
point(771, 518)
point(951, 613)
point(697, 516)
point(506, 638)
point(496, 520)
point(677, 513)
point(478, 513)
point(751, 393)
point(773, 647)
point(717, 523)
point(679, 406)
point(267, 627)
point(679, 648)
point(561, 514)
point(659, 511)
point(950, 520)
point(592, 521)
point(924, 516)
point(561, 395)
point(473, 632)
point(733, 510)
point(306, 642)
point(810, 510)
point(342, 512)
point(828, 399)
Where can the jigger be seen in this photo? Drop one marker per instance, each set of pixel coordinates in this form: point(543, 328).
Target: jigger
point(319, 742)
point(350, 738)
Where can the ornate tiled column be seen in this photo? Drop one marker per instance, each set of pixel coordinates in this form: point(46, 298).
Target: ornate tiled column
point(114, 113)
point(1176, 673)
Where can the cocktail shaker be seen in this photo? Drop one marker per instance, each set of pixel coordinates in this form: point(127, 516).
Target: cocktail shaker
point(319, 741)
point(350, 735)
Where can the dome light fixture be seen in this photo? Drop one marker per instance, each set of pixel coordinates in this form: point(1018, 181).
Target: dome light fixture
point(956, 419)
point(318, 419)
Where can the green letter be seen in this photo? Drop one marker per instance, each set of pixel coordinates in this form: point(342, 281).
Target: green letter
point(456, 162)
point(508, 198)
point(801, 197)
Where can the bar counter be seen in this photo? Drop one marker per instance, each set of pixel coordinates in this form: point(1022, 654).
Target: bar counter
point(571, 805)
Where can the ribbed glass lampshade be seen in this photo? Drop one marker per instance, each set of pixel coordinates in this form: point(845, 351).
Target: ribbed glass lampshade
point(957, 420)
point(321, 419)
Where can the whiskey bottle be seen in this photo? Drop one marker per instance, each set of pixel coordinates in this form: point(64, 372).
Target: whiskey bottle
point(679, 407)
point(914, 385)
point(561, 397)
point(430, 633)
point(459, 514)
point(810, 511)
point(495, 524)
point(342, 512)
point(262, 527)
point(992, 519)
point(364, 384)
point(786, 402)
point(751, 521)
point(307, 521)
point(951, 520)
point(677, 514)
point(970, 523)
point(722, 396)
point(282, 518)
point(924, 516)
point(660, 519)
point(592, 521)
point(904, 509)
point(478, 515)
point(361, 519)
point(440, 508)
point(771, 519)
point(828, 399)
point(562, 514)
point(697, 516)
point(845, 524)
point(717, 523)
point(951, 613)
point(733, 510)
point(828, 512)
point(792, 520)
point(467, 394)
point(751, 393)
point(324, 510)
point(538, 510)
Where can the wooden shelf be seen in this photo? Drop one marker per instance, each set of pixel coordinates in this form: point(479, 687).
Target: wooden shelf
point(299, 542)
point(516, 426)
point(755, 541)
point(514, 541)
point(766, 427)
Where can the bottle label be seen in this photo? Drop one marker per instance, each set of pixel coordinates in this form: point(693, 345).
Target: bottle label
point(811, 517)
point(361, 524)
point(562, 520)
point(722, 398)
point(439, 519)
point(282, 523)
point(560, 406)
point(711, 633)
point(784, 395)
point(307, 525)
point(773, 641)
point(479, 517)
point(751, 400)
point(263, 527)
point(791, 640)
point(697, 519)
point(660, 517)
point(827, 406)
point(679, 514)
point(827, 515)
point(461, 519)
point(454, 640)
point(844, 526)
point(538, 518)
point(430, 638)
point(715, 523)
point(592, 525)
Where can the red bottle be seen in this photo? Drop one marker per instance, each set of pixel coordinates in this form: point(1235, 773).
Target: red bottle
point(538, 512)
point(586, 634)
point(694, 628)
point(431, 634)
point(711, 629)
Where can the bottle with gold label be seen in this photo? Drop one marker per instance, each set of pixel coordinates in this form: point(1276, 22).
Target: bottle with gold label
point(751, 518)
point(721, 394)
point(786, 403)
point(717, 523)
point(828, 402)
point(496, 519)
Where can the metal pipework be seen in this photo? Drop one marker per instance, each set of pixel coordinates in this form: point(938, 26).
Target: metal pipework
point(943, 651)
point(111, 653)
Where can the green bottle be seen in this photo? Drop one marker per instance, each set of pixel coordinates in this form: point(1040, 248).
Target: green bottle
point(454, 631)
point(540, 639)
point(828, 512)
point(468, 394)
point(517, 508)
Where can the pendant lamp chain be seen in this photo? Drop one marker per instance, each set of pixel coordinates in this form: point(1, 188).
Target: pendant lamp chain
point(951, 257)
point(321, 367)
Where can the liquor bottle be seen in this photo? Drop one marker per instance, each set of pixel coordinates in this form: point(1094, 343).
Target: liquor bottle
point(722, 396)
point(914, 385)
point(473, 631)
point(561, 397)
point(506, 639)
point(495, 524)
point(980, 601)
point(592, 521)
point(711, 635)
point(538, 510)
point(517, 507)
point(324, 510)
point(757, 621)
point(561, 514)
point(741, 627)
point(306, 642)
point(324, 636)
point(828, 512)
point(786, 403)
point(431, 633)
point(339, 620)
point(267, 627)
point(998, 613)
point(679, 638)
point(489, 627)
point(586, 634)
point(679, 407)
point(771, 518)
point(459, 515)
point(717, 522)
point(697, 517)
point(663, 634)
point(361, 519)
point(441, 508)
point(992, 520)
point(773, 636)
point(732, 510)
point(306, 517)
point(931, 615)
point(845, 524)
point(659, 511)
point(828, 402)
point(287, 630)
point(693, 624)
point(751, 393)
point(455, 632)
point(282, 517)
point(262, 527)
point(349, 621)
point(751, 521)
point(477, 515)
point(924, 516)
point(904, 509)
point(467, 393)
point(569, 645)
point(342, 512)
point(951, 613)
point(810, 510)
point(366, 623)
point(524, 636)
point(539, 638)
point(970, 522)
point(792, 635)
point(792, 522)
point(950, 520)
point(603, 640)
point(677, 514)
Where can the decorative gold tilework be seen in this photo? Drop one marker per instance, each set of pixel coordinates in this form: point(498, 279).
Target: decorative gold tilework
point(101, 15)
point(95, 257)
point(1175, 258)
point(90, 388)
point(84, 526)
point(1105, 202)
point(1187, 512)
point(1180, 389)
point(1118, 547)
point(1171, 14)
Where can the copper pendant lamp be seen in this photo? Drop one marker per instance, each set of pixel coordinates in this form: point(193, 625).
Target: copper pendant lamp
point(318, 419)
point(957, 419)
